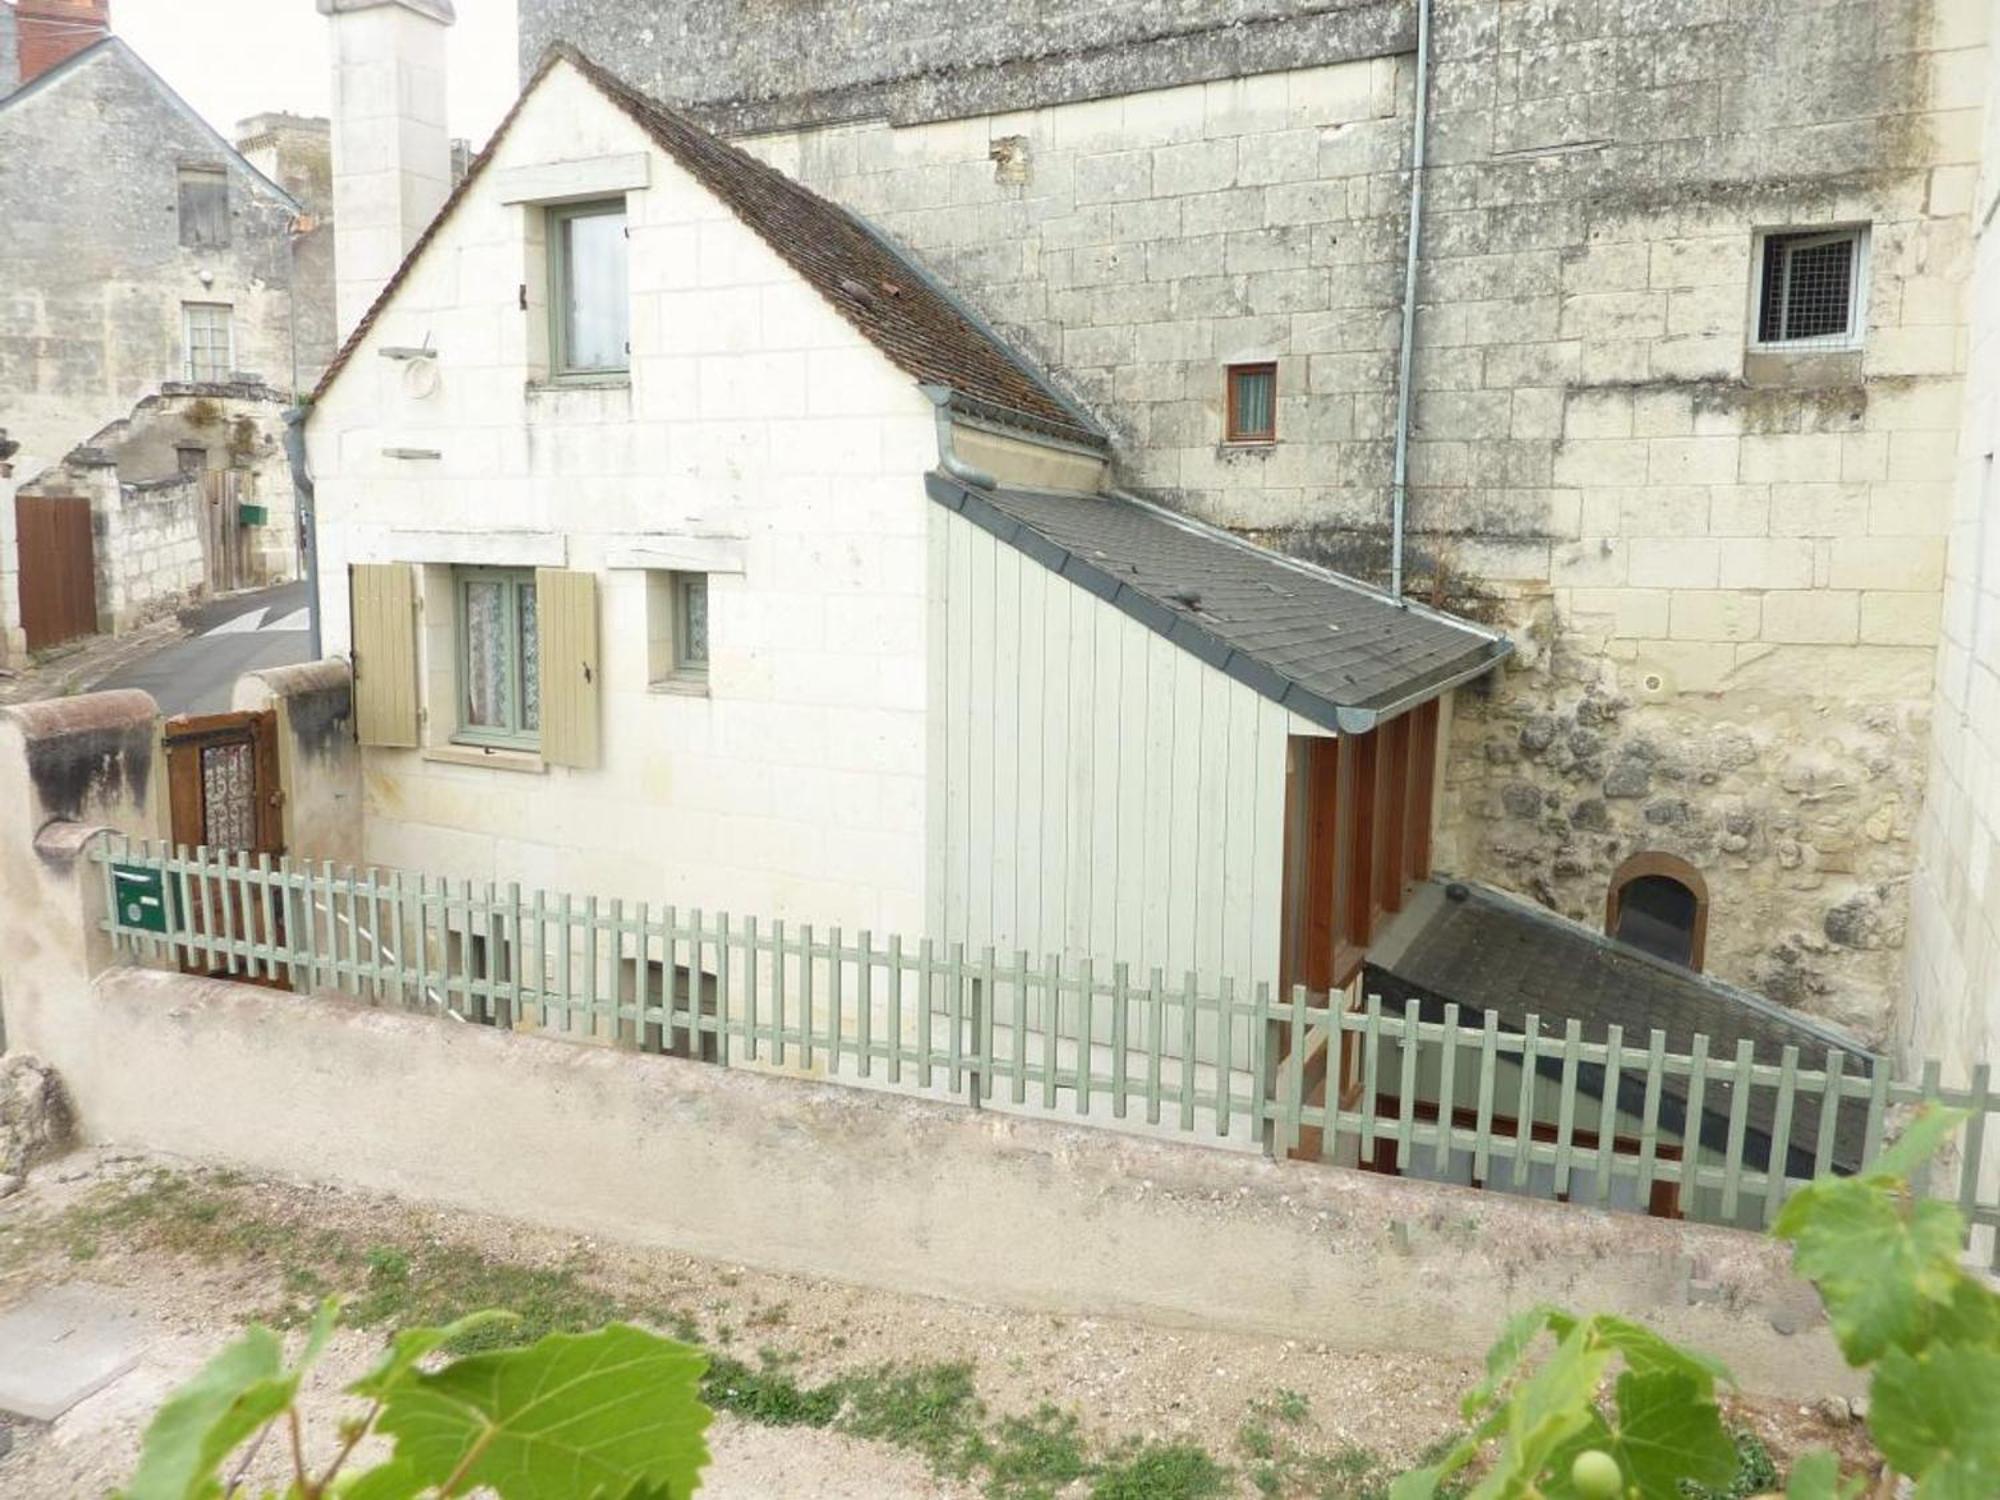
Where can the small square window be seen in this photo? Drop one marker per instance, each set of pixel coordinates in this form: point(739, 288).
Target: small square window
point(1253, 404)
point(1809, 289)
point(211, 352)
point(499, 657)
point(204, 207)
point(588, 299)
point(677, 629)
point(190, 458)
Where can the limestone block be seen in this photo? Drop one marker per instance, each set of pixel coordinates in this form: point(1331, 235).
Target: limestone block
point(1598, 414)
point(1899, 619)
point(1605, 461)
point(1606, 267)
point(1194, 167)
point(1716, 615)
point(1790, 458)
point(1812, 617)
point(1739, 510)
point(1675, 562)
point(1628, 316)
point(1907, 564)
point(1692, 460)
point(1636, 614)
point(1278, 156)
point(1816, 510)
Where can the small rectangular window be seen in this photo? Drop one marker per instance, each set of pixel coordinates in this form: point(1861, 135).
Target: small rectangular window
point(190, 459)
point(204, 207)
point(1253, 404)
point(676, 628)
point(1809, 287)
point(499, 657)
point(588, 291)
point(211, 352)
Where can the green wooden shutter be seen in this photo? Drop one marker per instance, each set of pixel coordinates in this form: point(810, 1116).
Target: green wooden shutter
point(383, 607)
point(566, 616)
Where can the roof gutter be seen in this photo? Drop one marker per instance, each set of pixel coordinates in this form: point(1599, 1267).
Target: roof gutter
point(1401, 482)
point(948, 459)
point(1365, 720)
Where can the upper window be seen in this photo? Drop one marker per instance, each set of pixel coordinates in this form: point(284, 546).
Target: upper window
point(1809, 288)
point(211, 352)
point(204, 206)
point(676, 628)
point(588, 298)
point(1253, 404)
point(499, 657)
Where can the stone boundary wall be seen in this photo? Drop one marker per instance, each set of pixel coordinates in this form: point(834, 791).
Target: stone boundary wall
point(891, 1192)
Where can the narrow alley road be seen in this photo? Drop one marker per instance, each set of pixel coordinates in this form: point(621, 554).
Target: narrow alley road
point(230, 637)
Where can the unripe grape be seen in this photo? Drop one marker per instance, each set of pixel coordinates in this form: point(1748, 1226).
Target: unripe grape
point(1595, 1475)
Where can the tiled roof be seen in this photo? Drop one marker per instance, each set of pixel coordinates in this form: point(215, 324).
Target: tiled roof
point(890, 302)
point(1329, 648)
point(1461, 942)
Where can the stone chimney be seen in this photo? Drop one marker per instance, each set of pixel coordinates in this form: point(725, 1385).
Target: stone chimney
point(49, 32)
point(391, 151)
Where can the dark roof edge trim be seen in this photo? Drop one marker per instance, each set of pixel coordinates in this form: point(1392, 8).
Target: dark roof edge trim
point(1202, 644)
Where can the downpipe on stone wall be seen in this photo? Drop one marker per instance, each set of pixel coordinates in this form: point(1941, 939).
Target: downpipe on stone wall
point(1400, 483)
point(308, 519)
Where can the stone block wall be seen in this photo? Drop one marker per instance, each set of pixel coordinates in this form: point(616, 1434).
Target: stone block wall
point(1723, 568)
point(150, 556)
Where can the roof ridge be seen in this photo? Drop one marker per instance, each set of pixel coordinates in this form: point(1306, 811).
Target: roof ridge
point(880, 291)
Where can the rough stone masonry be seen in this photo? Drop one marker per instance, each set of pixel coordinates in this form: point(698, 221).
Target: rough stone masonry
point(1723, 566)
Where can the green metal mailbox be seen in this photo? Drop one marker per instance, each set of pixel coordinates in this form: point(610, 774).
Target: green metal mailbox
point(141, 894)
point(252, 515)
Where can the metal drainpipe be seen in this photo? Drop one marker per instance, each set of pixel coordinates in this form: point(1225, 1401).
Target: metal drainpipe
point(1401, 480)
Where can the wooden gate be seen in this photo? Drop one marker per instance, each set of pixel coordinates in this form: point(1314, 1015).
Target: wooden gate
point(224, 795)
point(58, 569)
point(222, 540)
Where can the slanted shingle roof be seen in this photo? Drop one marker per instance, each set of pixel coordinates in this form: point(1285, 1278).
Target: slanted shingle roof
point(888, 299)
point(1461, 942)
point(1330, 649)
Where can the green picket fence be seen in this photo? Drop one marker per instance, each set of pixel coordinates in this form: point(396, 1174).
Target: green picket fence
point(1594, 1119)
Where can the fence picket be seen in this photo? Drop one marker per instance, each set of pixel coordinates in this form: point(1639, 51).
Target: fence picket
point(1121, 1001)
point(1649, 1114)
point(1607, 1113)
point(1775, 1173)
point(1524, 1116)
point(1739, 1116)
point(864, 1001)
point(1566, 1106)
point(1447, 1088)
point(1155, 1025)
point(1489, 1069)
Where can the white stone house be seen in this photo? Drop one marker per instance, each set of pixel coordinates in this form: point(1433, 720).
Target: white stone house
point(691, 545)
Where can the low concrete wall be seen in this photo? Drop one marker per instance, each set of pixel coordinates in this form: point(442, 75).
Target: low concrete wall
point(888, 1191)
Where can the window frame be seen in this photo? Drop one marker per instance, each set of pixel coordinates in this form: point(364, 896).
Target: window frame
point(488, 736)
point(686, 663)
point(187, 174)
point(1857, 289)
point(1232, 429)
point(557, 217)
point(188, 311)
point(1662, 865)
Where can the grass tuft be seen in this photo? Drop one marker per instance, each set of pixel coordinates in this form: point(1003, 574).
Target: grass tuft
point(1160, 1471)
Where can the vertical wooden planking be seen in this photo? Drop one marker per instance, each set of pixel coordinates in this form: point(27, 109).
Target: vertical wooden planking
point(981, 727)
point(1972, 1149)
point(1775, 1174)
point(750, 988)
point(962, 855)
point(955, 1018)
point(1649, 1115)
point(836, 1002)
point(926, 1003)
point(1051, 1028)
point(724, 994)
point(308, 928)
point(1022, 980)
point(983, 1026)
point(895, 979)
point(1106, 758)
point(1878, 1104)
point(1134, 875)
point(1295, 1077)
point(1158, 850)
point(807, 998)
point(383, 629)
point(938, 888)
point(1081, 745)
point(1268, 840)
point(1607, 1112)
point(1029, 629)
point(1831, 1097)
point(1086, 993)
point(1406, 1087)
point(1185, 862)
point(1566, 1106)
point(1742, 1082)
point(1246, 769)
point(1210, 813)
point(1156, 1025)
point(1188, 992)
point(777, 1034)
point(1489, 1069)
point(566, 615)
point(1055, 771)
point(1524, 1110)
point(1121, 1005)
point(1447, 1094)
point(1371, 1062)
point(1004, 840)
point(864, 1002)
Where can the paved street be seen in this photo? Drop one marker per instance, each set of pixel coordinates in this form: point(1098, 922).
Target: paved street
point(228, 638)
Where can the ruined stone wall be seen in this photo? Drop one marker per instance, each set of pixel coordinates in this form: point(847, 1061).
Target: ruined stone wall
point(91, 261)
point(1723, 570)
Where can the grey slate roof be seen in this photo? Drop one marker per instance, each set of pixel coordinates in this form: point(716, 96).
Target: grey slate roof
point(1331, 649)
point(1458, 941)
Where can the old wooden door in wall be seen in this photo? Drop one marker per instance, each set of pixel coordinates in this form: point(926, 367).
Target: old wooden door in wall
point(224, 796)
point(58, 569)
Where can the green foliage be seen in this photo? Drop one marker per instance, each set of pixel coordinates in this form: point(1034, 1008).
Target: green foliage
point(1160, 1471)
point(1035, 1457)
point(1885, 1262)
point(610, 1415)
point(768, 1394)
point(931, 1409)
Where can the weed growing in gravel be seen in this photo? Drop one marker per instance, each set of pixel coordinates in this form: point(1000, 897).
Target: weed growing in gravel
point(929, 1409)
point(1280, 1466)
point(768, 1394)
point(1160, 1471)
point(1035, 1457)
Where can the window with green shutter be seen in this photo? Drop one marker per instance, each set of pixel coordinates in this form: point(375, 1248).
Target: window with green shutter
point(499, 657)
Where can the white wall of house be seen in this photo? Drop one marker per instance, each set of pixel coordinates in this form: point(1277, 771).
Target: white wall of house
point(1100, 791)
point(757, 428)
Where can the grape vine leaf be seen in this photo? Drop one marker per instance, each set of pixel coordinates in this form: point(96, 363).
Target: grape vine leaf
point(229, 1399)
point(1667, 1431)
point(1884, 1266)
point(595, 1416)
point(410, 1346)
point(1936, 1417)
point(1816, 1476)
point(1548, 1408)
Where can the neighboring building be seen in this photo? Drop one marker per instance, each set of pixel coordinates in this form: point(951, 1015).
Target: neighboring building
point(136, 248)
point(683, 583)
point(1687, 362)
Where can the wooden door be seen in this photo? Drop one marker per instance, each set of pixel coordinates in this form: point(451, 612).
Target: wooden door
point(224, 795)
point(58, 569)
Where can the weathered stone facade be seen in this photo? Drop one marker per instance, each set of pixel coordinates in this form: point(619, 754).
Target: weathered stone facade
point(93, 272)
point(1723, 568)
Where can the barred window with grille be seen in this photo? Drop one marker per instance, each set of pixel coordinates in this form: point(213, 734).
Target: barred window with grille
point(1809, 289)
point(210, 341)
